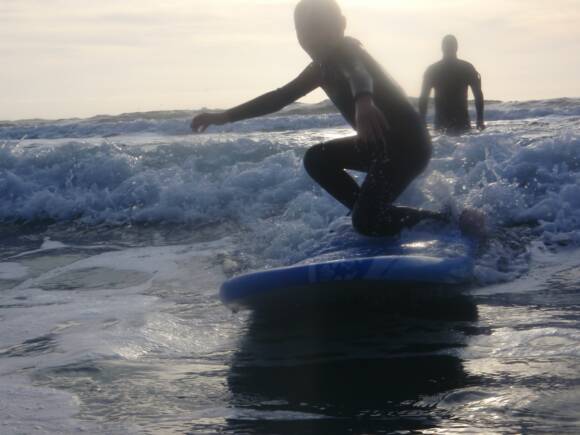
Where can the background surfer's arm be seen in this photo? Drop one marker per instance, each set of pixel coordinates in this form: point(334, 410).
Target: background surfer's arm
point(475, 84)
point(425, 93)
point(275, 100)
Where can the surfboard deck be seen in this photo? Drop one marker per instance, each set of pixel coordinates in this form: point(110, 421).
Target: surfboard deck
point(349, 280)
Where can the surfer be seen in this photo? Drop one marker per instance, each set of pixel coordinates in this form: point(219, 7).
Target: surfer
point(392, 144)
point(450, 78)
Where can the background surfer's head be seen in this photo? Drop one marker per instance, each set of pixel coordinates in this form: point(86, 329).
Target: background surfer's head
point(320, 26)
point(449, 46)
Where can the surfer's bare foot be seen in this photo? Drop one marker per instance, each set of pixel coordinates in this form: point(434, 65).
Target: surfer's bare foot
point(472, 223)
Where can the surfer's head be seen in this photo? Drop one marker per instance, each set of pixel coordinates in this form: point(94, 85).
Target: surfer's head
point(320, 26)
point(449, 46)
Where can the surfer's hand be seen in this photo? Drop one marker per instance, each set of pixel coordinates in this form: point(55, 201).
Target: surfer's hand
point(202, 121)
point(372, 126)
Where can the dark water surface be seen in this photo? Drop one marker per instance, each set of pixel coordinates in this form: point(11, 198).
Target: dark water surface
point(503, 360)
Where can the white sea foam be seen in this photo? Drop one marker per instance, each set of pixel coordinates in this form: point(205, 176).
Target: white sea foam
point(519, 173)
point(12, 271)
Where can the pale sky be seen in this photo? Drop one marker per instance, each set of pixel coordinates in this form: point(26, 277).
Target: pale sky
point(65, 58)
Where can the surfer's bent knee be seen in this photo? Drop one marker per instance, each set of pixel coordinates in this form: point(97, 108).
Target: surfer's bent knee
point(313, 159)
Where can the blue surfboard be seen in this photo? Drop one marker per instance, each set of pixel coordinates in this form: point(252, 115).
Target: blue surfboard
point(342, 267)
point(378, 277)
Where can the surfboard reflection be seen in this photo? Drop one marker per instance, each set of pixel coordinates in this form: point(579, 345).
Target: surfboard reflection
point(345, 370)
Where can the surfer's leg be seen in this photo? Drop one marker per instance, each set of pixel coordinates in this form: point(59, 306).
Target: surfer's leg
point(391, 220)
point(374, 213)
point(326, 164)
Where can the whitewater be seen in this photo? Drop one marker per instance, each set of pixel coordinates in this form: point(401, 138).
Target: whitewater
point(117, 231)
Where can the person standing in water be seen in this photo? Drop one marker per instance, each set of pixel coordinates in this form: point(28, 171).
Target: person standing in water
point(392, 144)
point(450, 78)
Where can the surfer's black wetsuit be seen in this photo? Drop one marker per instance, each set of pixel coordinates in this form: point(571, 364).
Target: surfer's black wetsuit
point(451, 79)
point(348, 73)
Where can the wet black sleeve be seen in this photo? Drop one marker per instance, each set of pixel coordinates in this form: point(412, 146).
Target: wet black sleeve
point(275, 100)
point(475, 83)
point(353, 66)
point(474, 78)
point(428, 84)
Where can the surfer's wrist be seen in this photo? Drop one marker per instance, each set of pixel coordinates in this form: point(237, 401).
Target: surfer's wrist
point(221, 118)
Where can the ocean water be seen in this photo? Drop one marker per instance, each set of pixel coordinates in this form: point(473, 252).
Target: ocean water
point(116, 233)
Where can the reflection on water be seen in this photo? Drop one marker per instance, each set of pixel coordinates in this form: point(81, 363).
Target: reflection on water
point(337, 372)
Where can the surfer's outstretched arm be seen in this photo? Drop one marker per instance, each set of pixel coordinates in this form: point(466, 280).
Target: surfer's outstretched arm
point(267, 103)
